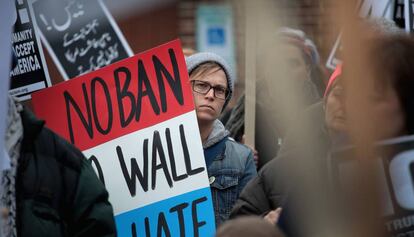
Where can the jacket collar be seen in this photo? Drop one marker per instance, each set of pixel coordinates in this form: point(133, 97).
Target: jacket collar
point(217, 134)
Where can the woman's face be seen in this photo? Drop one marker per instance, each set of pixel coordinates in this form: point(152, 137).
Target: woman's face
point(334, 109)
point(208, 106)
point(294, 63)
point(387, 112)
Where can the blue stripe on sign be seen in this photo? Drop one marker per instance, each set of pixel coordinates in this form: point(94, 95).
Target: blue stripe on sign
point(191, 212)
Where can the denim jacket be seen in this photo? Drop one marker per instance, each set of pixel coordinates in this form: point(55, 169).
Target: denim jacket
point(229, 169)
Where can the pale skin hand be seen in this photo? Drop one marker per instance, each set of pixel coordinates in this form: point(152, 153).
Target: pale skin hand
point(273, 216)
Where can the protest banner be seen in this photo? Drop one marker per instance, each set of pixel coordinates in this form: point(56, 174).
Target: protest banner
point(135, 121)
point(80, 35)
point(29, 72)
point(366, 9)
point(395, 176)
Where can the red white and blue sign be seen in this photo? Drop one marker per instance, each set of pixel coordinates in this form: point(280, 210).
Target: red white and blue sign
point(135, 121)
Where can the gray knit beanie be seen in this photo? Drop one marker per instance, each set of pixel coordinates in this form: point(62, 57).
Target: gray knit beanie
point(197, 59)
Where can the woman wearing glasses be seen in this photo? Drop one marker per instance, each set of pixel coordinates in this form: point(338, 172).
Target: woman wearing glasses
point(229, 164)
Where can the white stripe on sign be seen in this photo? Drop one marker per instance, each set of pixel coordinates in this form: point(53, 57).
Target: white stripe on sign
point(132, 184)
point(28, 88)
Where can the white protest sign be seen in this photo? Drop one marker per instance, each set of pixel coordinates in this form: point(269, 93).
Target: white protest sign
point(135, 121)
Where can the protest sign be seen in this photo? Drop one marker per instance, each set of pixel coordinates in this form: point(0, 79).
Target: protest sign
point(366, 9)
point(395, 174)
point(29, 72)
point(135, 121)
point(80, 35)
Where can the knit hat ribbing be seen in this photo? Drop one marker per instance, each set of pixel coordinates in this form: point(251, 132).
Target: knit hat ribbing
point(197, 59)
point(335, 75)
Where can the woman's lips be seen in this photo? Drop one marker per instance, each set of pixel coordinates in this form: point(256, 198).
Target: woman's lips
point(207, 106)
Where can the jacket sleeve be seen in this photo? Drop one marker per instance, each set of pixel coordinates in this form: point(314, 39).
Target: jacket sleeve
point(263, 193)
point(252, 200)
point(93, 214)
point(250, 171)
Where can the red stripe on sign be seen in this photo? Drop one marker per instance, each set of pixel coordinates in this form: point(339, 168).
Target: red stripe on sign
point(118, 99)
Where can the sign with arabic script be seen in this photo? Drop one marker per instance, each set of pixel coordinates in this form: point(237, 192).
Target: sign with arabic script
point(80, 35)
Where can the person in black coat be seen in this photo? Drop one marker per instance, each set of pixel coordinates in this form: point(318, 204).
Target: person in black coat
point(301, 162)
point(50, 188)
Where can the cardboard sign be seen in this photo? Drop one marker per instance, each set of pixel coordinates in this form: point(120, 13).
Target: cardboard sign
point(30, 72)
point(80, 35)
point(135, 121)
point(396, 182)
point(366, 9)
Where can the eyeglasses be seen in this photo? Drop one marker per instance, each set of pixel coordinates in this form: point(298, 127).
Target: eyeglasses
point(203, 87)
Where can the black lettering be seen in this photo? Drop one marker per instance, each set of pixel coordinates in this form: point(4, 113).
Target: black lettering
point(179, 209)
point(187, 158)
point(122, 93)
point(98, 167)
point(157, 148)
point(143, 79)
point(172, 158)
point(108, 104)
point(174, 83)
point(196, 224)
point(147, 227)
point(135, 170)
point(134, 228)
point(162, 226)
point(87, 124)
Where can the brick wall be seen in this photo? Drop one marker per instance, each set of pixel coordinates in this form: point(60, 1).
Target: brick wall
point(311, 16)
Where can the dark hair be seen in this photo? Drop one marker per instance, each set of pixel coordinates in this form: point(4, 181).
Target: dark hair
point(394, 65)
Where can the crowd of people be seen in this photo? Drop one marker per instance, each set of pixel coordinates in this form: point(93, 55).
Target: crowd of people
point(280, 187)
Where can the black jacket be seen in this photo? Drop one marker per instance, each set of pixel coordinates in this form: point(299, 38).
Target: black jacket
point(288, 180)
point(58, 192)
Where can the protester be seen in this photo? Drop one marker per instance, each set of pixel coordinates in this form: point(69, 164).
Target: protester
point(390, 100)
point(307, 67)
point(229, 164)
point(50, 189)
point(380, 108)
point(270, 189)
point(286, 92)
point(279, 81)
point(298, 179)
point(247, 227)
